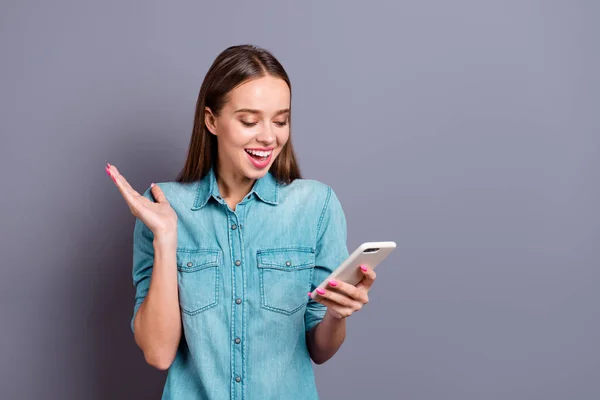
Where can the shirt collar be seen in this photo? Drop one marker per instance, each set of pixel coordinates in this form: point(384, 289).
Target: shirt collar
point(265, 188)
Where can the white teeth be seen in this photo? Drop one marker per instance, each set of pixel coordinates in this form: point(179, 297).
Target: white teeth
point(259, 153)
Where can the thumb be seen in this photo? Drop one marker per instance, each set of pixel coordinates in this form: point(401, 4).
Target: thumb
point(158, 193)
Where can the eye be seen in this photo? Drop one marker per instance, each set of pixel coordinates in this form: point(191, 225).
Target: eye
point(281, 124)
point(248, 124)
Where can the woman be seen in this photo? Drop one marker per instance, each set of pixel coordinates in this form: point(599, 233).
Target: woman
point(224, 257)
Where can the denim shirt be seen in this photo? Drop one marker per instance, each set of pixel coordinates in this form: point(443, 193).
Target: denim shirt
point(243, 279)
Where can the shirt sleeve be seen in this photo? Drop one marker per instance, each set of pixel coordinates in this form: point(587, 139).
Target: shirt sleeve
point(143, 260)
point(331, 251)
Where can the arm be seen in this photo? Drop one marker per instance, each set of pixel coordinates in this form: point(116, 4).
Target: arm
point(157, 323)
point(342, 300)
point(325, 317)
point(325, 339)
point(326, 333)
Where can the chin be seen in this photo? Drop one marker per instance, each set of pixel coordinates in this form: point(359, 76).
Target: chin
point(252, 173)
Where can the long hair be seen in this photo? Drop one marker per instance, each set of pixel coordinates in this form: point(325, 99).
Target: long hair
point(234, 66)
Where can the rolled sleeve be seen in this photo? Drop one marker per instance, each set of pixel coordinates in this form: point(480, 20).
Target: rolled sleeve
point(143, 261)
point(331, 251)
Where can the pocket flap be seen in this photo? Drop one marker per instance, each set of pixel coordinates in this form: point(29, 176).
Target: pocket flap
point(193, 260)
point(286, 258)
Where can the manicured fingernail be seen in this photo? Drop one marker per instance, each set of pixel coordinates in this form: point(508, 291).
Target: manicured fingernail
point(107, 171)
point(108, 165)
point(113, 178)
point(309, 294)
point(363, 268)
point(320, 291)
point(152, 184)
point(333, 282)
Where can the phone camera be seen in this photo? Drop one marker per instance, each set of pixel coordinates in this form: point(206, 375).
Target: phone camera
point(371, 250)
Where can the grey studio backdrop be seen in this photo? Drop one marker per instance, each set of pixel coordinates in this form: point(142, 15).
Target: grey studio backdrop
point(466, 131)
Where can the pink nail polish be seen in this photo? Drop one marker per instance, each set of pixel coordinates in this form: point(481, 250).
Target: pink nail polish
point(309, 294)
point(107, 171)
point(152, 184)
point(333, 282)
point(363, 268)
point(320, 291)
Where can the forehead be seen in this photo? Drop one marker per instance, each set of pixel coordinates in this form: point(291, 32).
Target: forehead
point(267, 94)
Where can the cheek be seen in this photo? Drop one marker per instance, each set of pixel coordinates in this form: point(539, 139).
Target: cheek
point(234, 137)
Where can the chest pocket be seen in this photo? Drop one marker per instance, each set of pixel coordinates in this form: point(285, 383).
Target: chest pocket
point(285, 278)
point(198, 278)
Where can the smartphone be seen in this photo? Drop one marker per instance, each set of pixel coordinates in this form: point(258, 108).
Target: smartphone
point(368, 253)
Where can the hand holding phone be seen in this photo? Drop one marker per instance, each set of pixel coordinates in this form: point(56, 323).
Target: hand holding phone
point(368, 253)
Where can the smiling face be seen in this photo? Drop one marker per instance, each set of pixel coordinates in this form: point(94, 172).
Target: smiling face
point(252, 127)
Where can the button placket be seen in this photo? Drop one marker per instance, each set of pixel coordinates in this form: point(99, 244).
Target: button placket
point(237, 254)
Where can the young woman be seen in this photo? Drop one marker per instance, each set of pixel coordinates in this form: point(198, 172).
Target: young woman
point(225, 257)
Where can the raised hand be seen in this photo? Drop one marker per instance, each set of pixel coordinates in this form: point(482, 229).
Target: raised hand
point(158, 216)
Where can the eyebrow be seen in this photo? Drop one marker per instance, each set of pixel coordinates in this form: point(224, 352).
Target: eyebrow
point(252, 111)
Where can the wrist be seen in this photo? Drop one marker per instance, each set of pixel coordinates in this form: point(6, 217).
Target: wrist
point(333, 317)
point(165, 240)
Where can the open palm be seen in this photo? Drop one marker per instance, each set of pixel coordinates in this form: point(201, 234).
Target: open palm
point(158, 216)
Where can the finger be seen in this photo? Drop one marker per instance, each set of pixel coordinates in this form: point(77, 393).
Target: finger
point(349, 290)
point(340, 299)
point(120, 179)
point(368, 278)
point(158, 194)
point(119, 182)
point(128, 194)
point(342, 311)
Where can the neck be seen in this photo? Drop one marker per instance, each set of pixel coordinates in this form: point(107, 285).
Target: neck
point(233, 186)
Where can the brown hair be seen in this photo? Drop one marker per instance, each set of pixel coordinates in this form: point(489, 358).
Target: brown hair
point(231, 68)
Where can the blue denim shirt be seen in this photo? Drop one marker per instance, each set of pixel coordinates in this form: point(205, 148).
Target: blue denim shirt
point(244, 278)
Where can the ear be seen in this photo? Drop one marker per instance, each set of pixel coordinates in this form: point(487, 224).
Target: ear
point(210, 121)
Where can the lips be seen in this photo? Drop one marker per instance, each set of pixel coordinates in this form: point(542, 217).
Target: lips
point(260, 158)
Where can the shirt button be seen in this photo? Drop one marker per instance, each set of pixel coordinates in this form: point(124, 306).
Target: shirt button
point(238, 263)
point(288, 263)
point(190, 264)
point(238, 379)
point(234, 226)
point(237, 341)
point(238, 301)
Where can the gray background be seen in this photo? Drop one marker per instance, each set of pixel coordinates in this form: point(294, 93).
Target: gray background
point(465, 131)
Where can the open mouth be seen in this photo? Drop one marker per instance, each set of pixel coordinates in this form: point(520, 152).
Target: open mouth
point(259, 158)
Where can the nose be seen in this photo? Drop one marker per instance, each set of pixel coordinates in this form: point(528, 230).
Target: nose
point(266, 135)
